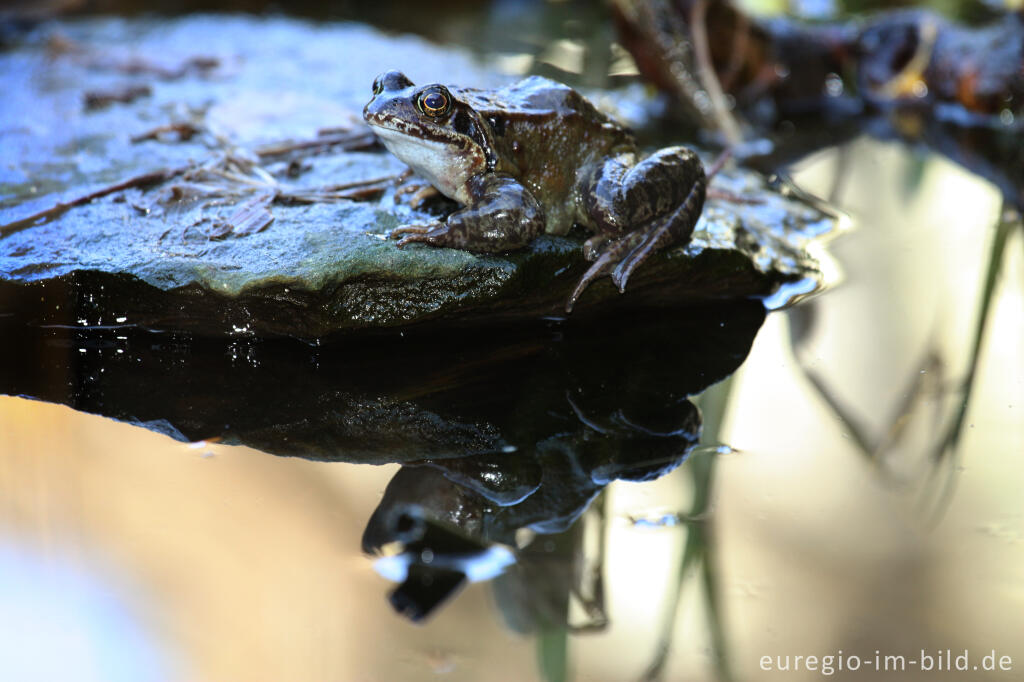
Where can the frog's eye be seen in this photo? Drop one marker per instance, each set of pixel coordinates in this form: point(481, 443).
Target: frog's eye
point(434, 102)
point(378, 85)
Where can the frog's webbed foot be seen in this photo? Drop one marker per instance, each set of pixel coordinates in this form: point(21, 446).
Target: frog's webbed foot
point(604, 263)
point(430, 233)
point(622, 256)
point(416, 194)
point(610, 261)
point(503, 216)
point(659, 233)
point(639, 208)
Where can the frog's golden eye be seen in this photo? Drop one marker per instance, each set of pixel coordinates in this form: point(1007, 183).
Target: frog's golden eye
point(378, 85)
point(434, 102)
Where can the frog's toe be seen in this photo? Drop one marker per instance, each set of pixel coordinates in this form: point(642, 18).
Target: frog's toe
point(657, 236)
point(623, 269)
point(435, 238)
point(407, 229)
point(416, 233)
point(600, 267)
point(620, 276)
point(604, 265)
point(422, 196)
point(631, 261)
point(592, 247)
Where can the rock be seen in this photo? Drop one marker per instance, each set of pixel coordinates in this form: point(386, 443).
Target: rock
point(126, 258)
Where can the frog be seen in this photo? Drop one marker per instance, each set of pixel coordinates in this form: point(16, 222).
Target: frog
point(536, 157)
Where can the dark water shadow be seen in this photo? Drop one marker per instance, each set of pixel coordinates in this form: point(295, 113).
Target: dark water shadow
point(394, 397)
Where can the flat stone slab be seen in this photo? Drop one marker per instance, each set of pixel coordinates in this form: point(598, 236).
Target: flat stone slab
point(143, 258)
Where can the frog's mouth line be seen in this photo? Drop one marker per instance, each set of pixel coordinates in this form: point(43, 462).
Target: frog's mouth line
point(447, 163)
point(412, 141)
point(411, 144)
point(395, 127)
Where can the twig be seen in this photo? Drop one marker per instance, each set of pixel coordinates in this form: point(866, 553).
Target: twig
point(670, 49)
point(902, 83)
point(733, 198)
point(740, 42)
point(233, 169)
point(97, 99)
point(348, 142)
point(718, 163)
point(184, 131)
point(58, 209)
point(706, 73)
point(724, 194)
point(384, 179)
point(249, 218)
point(138, 66)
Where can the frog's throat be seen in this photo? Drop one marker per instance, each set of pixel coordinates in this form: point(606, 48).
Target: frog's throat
point(448, 165)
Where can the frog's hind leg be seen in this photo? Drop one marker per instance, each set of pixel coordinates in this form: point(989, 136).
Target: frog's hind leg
point(640, 209)
point(670, 229)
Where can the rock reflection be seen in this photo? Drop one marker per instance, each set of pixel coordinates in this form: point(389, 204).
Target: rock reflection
point(500, 430)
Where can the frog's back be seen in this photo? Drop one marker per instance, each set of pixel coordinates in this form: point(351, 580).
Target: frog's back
point(533, 96)
point(536, 107)
point(546, 133)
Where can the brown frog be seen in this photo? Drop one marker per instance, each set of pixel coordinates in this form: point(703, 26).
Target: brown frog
point(537, 157)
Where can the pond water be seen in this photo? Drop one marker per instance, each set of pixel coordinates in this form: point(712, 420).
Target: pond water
point(854, 495)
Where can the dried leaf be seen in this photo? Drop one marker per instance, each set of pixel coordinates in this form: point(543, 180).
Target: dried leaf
point(249, 218)
point(97, 99)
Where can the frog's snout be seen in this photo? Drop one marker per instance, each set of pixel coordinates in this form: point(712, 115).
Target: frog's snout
point(388, 83)
point(393, 80)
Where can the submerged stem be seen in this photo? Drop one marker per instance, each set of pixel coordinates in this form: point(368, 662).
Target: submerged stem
point(1010, 220)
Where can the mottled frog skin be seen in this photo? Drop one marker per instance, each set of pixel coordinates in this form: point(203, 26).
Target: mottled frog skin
point(536, 157)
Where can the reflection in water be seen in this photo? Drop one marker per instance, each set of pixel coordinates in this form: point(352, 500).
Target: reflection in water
point(501, 430)
point(402, 396)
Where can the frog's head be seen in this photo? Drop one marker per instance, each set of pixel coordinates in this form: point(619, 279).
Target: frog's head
point(441, 137)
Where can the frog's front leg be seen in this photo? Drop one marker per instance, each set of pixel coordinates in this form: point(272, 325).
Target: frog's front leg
point(503, 215)
point(639, 208)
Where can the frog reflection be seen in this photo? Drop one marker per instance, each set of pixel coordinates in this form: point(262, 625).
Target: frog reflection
point(590, 416)
point(451, 511)
point(537, 157)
